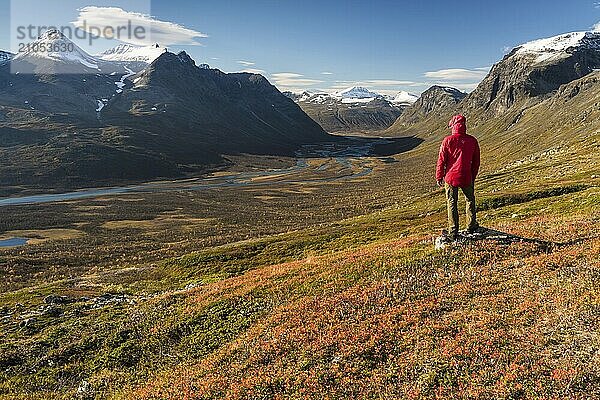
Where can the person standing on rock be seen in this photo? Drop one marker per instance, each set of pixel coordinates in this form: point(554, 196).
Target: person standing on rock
point(457, 168)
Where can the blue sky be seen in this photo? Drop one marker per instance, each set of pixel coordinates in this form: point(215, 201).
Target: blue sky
point(385, 45)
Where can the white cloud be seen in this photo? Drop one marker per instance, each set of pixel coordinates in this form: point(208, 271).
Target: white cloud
point(386, 82)
point(246, 63)
point(105, 20)
point(253, 71)
point(374, 83)
point(293, 81)
point(326, 73)
point(459, 78)
point(596, 27)
point(465, 87)
point(458, 74)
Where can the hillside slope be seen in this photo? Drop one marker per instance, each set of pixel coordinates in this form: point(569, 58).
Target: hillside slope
point(360, 308)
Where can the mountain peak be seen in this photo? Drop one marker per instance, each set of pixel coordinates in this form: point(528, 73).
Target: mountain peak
point(357, 92)
point(185, 58)
point(435, 101)
point(52, 34)
point(54, 47)
point(454, 92)
point(168, 58)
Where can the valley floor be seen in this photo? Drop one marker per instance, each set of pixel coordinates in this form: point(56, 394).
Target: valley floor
point(308, 290)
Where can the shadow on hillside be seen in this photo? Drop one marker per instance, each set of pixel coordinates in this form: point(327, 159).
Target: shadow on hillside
point(395, 146)
point(358, 146)
point(508, 238)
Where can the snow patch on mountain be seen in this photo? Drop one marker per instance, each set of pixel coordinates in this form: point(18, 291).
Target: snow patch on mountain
point(121, 83)
point(129, 53)
point(352, 100)
point(558, 47)
point(404, 98)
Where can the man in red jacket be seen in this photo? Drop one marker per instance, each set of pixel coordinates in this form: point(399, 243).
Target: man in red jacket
point(458, 166)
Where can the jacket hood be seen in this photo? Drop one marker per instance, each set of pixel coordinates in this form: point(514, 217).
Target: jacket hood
point(458, 123)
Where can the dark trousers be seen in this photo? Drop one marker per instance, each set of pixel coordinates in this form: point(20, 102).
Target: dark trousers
point(452, 197)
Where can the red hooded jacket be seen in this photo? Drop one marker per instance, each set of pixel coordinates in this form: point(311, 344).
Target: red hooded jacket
point(458, 163)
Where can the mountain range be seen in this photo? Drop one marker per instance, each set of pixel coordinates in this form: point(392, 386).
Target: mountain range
point(69, 119)
point(355, 109)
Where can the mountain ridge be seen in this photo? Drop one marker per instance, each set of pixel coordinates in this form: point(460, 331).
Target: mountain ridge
point(355, 109)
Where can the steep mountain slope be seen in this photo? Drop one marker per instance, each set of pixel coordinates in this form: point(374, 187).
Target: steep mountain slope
point(561, 131)
point(355, 109)
point(235, 113)
point(75, 96)
point(55, 76)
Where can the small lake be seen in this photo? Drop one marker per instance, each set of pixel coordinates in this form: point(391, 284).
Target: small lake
point(13, 242)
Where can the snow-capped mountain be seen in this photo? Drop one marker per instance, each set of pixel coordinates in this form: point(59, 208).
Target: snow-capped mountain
point(355, 109)
point(536, 69)
point(558, 47)
point(404, 98)
point(353, 95)
point(5, 56)
point(314, 97)
point(357, 94)
point(54, 47)
point(129, 53)
point(54, 53)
